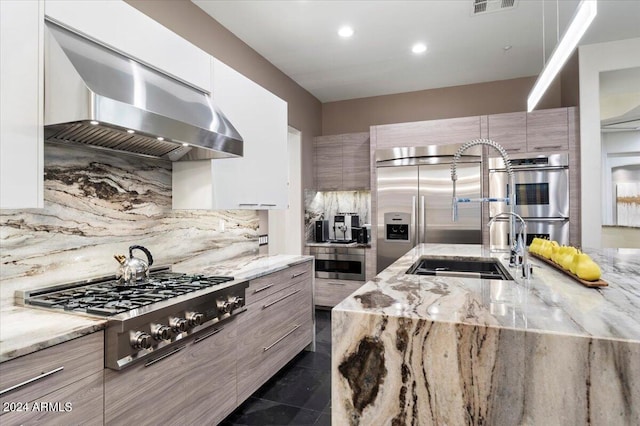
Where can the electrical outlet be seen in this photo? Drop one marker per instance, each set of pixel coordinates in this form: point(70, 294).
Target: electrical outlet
point(221, 225)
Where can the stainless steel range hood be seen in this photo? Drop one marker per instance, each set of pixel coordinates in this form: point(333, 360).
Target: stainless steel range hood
point(99, 97)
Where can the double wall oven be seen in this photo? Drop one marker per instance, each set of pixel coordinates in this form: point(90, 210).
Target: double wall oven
point(542, 196)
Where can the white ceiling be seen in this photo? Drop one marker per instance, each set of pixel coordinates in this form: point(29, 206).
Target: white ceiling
point(300, 38)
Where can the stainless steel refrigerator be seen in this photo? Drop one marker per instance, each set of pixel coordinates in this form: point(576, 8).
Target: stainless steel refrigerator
point(414, 193)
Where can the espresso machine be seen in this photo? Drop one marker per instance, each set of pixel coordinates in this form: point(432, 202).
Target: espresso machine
point(343, 225)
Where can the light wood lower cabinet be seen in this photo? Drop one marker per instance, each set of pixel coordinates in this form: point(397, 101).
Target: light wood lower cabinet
point(329, 292)
point(148, 393)
point(194, 383)
point(79, 403)
point(62, 384)
point(210, 388)
point(273, 331)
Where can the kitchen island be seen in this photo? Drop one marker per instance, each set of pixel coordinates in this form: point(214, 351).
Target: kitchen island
point(411, 349)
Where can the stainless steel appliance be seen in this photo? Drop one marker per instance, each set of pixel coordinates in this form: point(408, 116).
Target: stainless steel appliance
point(340, 263)
point(321, 231)
point(542, 196)
point(151, 319)
point(132, 270)
point(99, 97)
point(343, 224)
point(414, 199)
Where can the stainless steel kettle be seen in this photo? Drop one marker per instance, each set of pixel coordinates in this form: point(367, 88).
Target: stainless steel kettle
point(133, 271)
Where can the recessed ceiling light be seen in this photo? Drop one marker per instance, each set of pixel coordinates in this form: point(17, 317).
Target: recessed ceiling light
point(160, 138)
point(345, 32)
point(95, 123)
point(131, 131)
point(419, 48)
point(507, 47)
point(185, 144)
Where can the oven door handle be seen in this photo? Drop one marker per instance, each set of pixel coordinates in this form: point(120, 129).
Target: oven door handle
point(517, 169)
point(536, 219)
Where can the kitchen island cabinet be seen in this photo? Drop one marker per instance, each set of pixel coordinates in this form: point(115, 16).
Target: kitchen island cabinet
point(411, 349)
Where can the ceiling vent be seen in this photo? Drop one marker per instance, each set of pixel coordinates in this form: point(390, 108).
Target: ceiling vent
point(488, 6)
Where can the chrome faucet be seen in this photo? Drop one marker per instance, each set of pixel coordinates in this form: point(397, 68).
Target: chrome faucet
point(518, 252)
point(511, 198)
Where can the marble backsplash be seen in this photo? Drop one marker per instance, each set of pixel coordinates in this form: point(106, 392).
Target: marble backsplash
point(326, 204)
point(97, 204)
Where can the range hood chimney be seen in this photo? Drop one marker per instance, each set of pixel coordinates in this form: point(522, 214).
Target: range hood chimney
point(99, 97)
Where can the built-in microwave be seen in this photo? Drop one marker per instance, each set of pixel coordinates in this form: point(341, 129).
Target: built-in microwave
point(339, 263)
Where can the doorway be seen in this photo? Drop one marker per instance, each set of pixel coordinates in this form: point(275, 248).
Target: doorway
point(285, 226)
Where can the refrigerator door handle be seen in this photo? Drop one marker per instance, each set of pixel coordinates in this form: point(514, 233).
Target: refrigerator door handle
point(414, 228)
point(423, 219)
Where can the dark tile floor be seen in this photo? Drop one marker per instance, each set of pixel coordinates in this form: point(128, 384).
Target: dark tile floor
point(300, 394)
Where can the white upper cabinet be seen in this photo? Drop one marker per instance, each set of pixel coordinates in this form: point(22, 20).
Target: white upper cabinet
point(258, 180)
point(124, 28)
point(21, 100)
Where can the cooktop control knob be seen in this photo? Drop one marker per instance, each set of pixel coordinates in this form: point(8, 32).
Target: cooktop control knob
point(161, 332)
point(195, 318)
point(141, 340)
point(236, 301)
point(224, 306)
point(178, 324)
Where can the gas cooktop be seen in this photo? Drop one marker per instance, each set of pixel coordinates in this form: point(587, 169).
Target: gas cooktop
point(107, 298)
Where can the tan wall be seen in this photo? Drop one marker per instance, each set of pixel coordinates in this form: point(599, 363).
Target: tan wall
point(192, 23)
point(494, 97)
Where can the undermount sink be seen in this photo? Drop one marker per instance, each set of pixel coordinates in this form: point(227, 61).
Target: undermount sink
point(465, 267)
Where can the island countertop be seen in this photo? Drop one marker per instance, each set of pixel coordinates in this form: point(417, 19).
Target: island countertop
point(410, 349)
point(549, 302)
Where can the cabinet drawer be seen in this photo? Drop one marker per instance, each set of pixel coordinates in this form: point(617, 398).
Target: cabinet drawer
point(328, 292)
point(79, 403)
point(147, 393)
point(261, 361)
point(50, 369)
point(269, 317)
point(271, 283)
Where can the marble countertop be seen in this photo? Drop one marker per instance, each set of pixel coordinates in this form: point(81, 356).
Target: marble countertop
point(550, 302)
point(25, 330)
point(336, 245)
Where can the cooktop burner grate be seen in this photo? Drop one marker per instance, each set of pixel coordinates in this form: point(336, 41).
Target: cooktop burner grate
point(107, 298)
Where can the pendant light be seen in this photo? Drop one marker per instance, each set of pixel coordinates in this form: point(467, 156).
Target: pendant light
point(584, 15)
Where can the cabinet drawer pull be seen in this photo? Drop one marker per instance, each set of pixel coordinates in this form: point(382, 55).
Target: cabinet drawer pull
point(206, 336)
point(258, 290)
point(298, 274)
point(331, 283)
point(266, 348)
point(268, 205)
point(513, 149)
point(34, 379)
point(247, 204)
point(168, 354)
point(280, 299)
point(548, 147)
